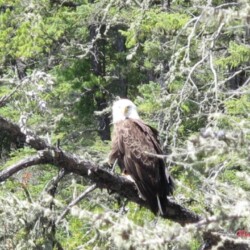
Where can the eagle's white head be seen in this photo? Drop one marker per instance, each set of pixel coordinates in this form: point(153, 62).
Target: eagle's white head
point(123, 109)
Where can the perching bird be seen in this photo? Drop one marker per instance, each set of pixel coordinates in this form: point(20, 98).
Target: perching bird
point(136, 149)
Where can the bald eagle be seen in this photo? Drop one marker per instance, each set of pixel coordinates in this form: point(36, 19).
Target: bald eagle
point(135, 147)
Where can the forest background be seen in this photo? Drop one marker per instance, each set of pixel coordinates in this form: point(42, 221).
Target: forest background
point(186, 65)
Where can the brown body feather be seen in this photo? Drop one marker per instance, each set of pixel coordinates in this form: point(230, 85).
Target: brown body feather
point(132, 140)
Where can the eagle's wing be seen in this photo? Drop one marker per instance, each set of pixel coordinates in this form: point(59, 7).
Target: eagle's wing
point(152, 135)
point(117, 148)
point(134, 140)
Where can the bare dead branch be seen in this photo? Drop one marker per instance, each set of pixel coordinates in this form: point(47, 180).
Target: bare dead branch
point(5, 98)
point(156, 155)
point(75, 201)
point(52, 189)
point(216, 240)
point(30, 161)
point(217, 219)
point(227, 5)
point(17, 134)
point(103, 112)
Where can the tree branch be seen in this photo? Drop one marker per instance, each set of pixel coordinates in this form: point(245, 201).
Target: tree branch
point(33, 160)
point(75, 201)
point(54, 183)
point(4, 99)
point(216, 240)
point(18, 134)
point(101, 177)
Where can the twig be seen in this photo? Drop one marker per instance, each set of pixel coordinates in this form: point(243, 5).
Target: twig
point(74, 202)
point(52, 189)
point(227, 5)
point(5, 98)
point(27, 193)
point(156, 155)
point(103, 112)
point(212, 219)
point(222, 83)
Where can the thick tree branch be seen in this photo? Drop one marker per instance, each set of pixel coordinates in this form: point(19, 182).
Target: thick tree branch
point(8, 172)
point(101, 177)
point(217, 240)
point(22, 135)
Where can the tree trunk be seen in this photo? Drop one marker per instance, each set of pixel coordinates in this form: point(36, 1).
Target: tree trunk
point(99, 69)
point(20, 68)
point(122, 80)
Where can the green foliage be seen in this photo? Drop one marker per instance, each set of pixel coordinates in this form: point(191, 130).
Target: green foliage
point(175, 85)
point(154, 23)
point(152, 49)
point(140, 216)
point(4, 90)
point(174, 64)
point(234, 177)
point(150, 94)
point(77, 232)
point(239, 106)
point(195, 244)
point(29, 36)
point(8, 111)
point(239, 54)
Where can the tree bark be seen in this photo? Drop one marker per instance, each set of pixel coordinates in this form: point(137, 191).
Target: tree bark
point(215, 240)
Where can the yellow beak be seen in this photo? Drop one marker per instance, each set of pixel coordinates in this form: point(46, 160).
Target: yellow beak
point(125, 111)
